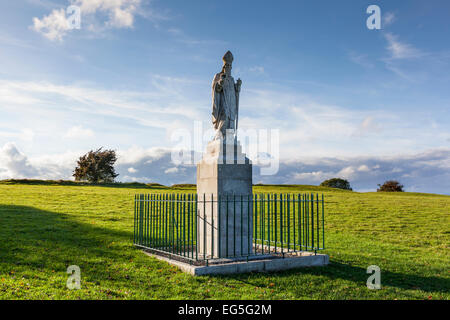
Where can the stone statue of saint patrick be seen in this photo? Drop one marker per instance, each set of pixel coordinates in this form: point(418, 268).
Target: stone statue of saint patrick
point(225, 99)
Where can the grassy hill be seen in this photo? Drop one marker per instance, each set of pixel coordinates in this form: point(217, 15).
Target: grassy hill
point(45, 227)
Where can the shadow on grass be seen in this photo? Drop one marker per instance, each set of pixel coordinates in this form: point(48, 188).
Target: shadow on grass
point(358, 275)
point(44, 240)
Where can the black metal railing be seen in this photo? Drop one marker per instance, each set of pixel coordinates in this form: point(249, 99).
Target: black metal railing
point(203, 228)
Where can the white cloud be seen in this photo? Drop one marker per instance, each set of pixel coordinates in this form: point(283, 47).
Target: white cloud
point(167, 101)
point(401, 50)
point(388, 18)
point(171, 170)
point(137, 154)
point(53, 26)
point(363, 168)
point(132, 170)
point(78, 132)
point(118, 13)
point(25, 134)
point(316, 176)
point(15, 164)
point(422, 172)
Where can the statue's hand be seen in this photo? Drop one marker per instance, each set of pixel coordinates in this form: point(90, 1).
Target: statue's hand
point(238, 84)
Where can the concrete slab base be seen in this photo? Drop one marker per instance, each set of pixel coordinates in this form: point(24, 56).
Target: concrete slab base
point(260, 265)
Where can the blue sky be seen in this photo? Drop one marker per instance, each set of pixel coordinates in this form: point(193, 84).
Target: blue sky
point(366, 105)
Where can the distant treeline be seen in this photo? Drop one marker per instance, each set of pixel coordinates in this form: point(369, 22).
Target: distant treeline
point(110, 184)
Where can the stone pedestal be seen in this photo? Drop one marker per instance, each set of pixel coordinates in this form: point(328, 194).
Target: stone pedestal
point(224, 188)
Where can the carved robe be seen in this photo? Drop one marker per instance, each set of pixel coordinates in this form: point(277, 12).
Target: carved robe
point(225, 101)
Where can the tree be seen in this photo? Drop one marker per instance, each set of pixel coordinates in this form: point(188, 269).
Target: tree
point(336, 183)
point(390, 186)
point(96, 166)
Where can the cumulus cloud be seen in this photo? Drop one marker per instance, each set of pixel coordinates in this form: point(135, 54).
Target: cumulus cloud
point(97, 15)
point(15, 164)
point(53, 26)
point(421, 172)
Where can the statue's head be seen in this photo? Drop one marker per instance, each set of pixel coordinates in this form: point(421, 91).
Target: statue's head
point(227, 62)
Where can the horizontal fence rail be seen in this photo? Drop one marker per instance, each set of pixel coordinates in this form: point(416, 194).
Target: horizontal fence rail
point(205, 228)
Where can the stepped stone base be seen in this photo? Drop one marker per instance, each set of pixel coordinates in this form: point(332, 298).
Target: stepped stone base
point(260, 265)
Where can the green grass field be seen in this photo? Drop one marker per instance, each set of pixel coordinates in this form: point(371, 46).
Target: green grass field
point(45, 228)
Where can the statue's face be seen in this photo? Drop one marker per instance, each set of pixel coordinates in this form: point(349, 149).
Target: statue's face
point(227, 68)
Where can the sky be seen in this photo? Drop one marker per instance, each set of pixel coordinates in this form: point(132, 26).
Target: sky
point(364, 105)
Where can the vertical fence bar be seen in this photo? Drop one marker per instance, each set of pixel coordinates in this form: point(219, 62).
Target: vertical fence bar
point(179, 224)
point(152, 213)
point(299, 226)
point(150, 204)
point(288, 204)
point(141, 218)
point(196, 227)
point(138, 227)
point(269, 213)
point(134, 220)
point(260, 217)
point(138, 215)
point(175, 223)
point(219, 226)
point(155, 219)
point(281, 222)
point(150, 241)
point(317, 221)
point(144, 220)
point(184, 225)
point(307, 220)
point(275, 220)
point(304, 221)
point(166, 198)
point(144, 212)
point(193, 217)
point(293, 221)
point(242, 224)
point(255, 208)
point(212, 225)
point(172, 222)
point(204, 227)
point(323, 223)
point(312, 221)
point(161, 221)
point(149, 208)
point(249, 250)
point(227, 226)
point(189, 223)
point(234, 225)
